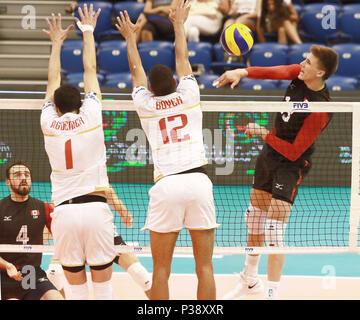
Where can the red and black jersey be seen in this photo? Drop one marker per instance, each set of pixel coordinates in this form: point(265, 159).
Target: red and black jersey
point(23, 223)
point(294, 134)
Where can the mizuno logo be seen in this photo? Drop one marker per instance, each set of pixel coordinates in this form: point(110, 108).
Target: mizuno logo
point(7, 218)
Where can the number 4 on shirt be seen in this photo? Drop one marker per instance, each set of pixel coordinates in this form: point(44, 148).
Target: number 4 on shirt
point(174, 135)
point(23, 235)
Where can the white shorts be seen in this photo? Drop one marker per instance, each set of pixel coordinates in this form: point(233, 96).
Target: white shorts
point(83, 234)
point(181, 200)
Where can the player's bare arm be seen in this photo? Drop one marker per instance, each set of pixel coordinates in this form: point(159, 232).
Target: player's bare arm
point(232, 76)
point(11, 270)
point(87, 24)
point(114, 201)
point(129, 30)
point(57, 36)
point(178, 16)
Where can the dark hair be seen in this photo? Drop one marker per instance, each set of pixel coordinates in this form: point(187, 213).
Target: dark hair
point(67, 98)
point(161, 79)
point(328, 59)
point(16, 163)
point(276, 17)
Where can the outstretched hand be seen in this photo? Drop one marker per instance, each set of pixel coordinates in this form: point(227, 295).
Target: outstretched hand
point(88, 16)
point(125, 26)
point(56, 33)
point(232, 76)
point(180, 13)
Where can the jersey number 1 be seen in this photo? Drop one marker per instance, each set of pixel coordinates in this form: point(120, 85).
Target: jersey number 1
point(68, 155)
point(174, 131)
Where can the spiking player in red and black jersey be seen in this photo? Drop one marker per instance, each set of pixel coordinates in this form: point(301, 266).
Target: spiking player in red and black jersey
point(284, 160)
point(22, 221)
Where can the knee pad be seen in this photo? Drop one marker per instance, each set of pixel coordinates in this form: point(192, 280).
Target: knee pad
point(103, 290)
point(79, 292)
point(255, 220)
point(274, 233)
point(55, 274)
point(140, 275)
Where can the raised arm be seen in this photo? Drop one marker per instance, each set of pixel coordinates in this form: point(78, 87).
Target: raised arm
point(129, 30)
point(57, 36)
point(178, 17)
point(87, 26)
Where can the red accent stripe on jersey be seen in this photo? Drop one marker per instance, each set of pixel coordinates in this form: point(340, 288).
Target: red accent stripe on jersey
point(48, 210)
point(297, 184)
point(285, 72)
point(312, 127)
point(68, 155)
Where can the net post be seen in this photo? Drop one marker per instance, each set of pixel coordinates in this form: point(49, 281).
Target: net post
point(355, 181)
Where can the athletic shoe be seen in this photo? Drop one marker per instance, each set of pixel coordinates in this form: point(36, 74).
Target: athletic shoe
point(247, 285)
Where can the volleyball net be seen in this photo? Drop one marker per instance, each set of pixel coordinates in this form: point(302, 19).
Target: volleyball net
point(323, 219)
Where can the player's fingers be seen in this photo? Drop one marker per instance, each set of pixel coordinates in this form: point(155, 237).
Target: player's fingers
point(234, 84)
point(127, 18)
point(58, 21)
point(91, 10)
point(221, 81)
point(120, 23)
point(122, 17)
point(48, 23)
point(53, 20)
point(46, 32)
point(86, 11)
point(97, 14)
point(81, 14)
point(69, 28)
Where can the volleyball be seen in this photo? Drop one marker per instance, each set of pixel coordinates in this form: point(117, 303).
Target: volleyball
point(237, 39)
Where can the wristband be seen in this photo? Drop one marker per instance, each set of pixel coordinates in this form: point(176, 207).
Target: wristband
point(84, 27)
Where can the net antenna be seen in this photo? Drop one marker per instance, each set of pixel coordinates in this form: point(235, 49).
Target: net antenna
point(324, 218)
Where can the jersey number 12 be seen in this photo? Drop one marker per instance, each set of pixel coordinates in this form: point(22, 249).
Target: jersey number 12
point(174, 135)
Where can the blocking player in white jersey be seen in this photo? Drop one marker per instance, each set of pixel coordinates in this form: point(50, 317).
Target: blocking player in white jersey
point(74, 142)
point(171, 117)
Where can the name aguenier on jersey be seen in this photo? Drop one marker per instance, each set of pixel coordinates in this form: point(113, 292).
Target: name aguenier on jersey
point(67, 125)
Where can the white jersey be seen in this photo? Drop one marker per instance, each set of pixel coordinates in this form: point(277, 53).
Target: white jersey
point(173, 126)
point(75, 146)
point(242, 6)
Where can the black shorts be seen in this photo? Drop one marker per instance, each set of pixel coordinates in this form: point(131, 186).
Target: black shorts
point(118, 240)
point(280, 178)
point(27, 289)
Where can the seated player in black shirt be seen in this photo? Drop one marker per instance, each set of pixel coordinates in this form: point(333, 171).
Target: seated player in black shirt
point(22, 221)
point(284, 160)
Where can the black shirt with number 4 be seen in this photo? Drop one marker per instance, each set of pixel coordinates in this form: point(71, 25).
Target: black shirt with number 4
point(22, 223)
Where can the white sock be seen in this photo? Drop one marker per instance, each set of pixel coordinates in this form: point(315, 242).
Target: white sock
point(103, 290)
point(252, 264)
point(79, 292)
point(140, 275)
point(272, 290)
